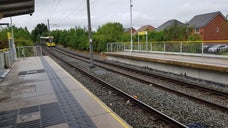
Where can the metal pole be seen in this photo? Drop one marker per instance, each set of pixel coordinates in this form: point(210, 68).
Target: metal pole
point(138, 41)
point(90, 36)
point(14, 52)
point(146, 41)
point(48, 27)
point(131, 5)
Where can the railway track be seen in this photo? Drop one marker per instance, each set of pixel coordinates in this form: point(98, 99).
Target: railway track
point(146, 78)
point(169, 122)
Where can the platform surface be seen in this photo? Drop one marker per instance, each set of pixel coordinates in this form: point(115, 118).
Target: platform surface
point(209, 63)
point(37, 92)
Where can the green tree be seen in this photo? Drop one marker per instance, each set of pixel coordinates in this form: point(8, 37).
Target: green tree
point(110, 32)
point(126, 37)
point(39, 30)
point(194, 37)
point(22, 37)
point(56, 35)
point(3, 38)
point(21, 33)
point(62, 38)
point(177, 32)
point(156, 36)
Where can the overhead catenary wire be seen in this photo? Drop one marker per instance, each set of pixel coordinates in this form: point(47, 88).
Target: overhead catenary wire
point(52, 6)
point(54, 10)
point(81, 8)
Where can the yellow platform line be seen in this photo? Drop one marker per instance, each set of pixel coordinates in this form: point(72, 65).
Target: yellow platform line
point(107, 109)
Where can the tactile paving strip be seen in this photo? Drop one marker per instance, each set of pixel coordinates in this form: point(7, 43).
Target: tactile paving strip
point(31, 72)
point(75, 116)
point(29, 110)
point(51, 115)
point(30, 124)
point(8, 119)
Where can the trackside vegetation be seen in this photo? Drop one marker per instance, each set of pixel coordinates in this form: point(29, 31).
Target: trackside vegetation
point(77, 37)
point(22, 37)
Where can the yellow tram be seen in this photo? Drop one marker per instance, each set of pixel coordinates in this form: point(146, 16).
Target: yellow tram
point(48, 41)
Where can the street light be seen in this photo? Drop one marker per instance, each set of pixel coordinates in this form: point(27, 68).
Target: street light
point(131, 5)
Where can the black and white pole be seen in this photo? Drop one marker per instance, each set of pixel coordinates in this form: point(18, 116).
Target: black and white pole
point(131, 5)
point(90, 36)
point(48, 28)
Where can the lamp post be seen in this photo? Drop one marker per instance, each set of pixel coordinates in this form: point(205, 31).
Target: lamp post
point(131, 5)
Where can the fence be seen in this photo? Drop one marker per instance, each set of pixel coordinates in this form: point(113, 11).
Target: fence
point(7, 58)
point(174, 47)
point(29, 51)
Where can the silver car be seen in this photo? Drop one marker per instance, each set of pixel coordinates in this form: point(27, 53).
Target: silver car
point(218, 48)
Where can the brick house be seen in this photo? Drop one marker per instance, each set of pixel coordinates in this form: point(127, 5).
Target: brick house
point(145, 28)
point(128, 30)
point(210, 26)
point(168, 24)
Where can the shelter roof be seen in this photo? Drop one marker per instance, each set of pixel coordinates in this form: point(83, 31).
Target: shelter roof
point(9, 8)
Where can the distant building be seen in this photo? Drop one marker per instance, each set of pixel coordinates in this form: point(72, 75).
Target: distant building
point(210, 26)
point(145, 28)
point(169, 23)
point(128, 30)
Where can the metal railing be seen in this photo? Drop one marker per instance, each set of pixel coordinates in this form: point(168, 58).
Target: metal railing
point(174, 47)
point(7, 59)
point(29, 51)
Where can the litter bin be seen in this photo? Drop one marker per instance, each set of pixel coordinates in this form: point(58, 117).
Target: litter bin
point(2, 60)
point(8, 60)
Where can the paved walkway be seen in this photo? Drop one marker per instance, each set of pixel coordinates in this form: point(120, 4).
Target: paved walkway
point(37, 92)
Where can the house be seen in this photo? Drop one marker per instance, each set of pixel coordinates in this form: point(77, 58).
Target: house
point(168, 24)
point(210, 26)
point(145, 28)
point(128, 30)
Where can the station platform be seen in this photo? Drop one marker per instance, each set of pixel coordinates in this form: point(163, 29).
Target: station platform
point(203, 67)
point(37, 92)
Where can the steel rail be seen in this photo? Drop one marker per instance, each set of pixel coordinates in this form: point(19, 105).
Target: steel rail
point(213, 105)
point(148, 108)
point(183, 83)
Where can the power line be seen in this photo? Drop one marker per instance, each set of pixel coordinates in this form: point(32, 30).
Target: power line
point(55, 8)
point(80, 5)
point(50, 10)
point(81, 8)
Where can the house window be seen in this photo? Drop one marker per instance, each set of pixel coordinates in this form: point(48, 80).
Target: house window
point(197, 30)
point(217, 29)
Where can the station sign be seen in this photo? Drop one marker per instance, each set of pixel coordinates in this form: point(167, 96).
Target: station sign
point(9, 35)
point(142, 33)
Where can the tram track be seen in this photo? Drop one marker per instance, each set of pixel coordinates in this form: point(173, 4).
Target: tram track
point(176, 106)
point(169, 122)
point(145, 77)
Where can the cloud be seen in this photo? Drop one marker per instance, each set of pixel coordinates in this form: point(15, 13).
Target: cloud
point(70, 13)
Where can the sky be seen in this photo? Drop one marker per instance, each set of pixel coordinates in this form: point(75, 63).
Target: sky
point(66, 14)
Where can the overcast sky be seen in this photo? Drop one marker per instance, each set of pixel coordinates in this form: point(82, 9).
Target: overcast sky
point(65, 14)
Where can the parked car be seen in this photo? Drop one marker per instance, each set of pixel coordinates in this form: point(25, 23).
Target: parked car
point(218, 48)
point(205, 48)
point(223, 48)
